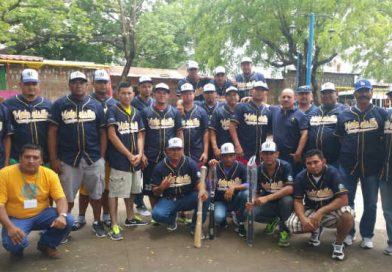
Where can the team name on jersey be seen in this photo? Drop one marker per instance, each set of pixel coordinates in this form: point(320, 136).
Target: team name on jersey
point(355, 126)
point(388, 127)
point(71, 116)
point(223, 184)
point(156, 123)
point(320, 195)
point(245, 85)
point(26, 117)
point(127, 127)
point(191, 123)
point(273, 186)
point(179, 181)
point(225, 123)
point(251, 119)
point(323, 120)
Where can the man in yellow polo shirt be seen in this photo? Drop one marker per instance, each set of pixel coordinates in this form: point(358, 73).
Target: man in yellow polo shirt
point(25, 189)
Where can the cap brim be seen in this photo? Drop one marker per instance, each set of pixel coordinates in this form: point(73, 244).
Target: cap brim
point(76, 78)
point(163, 89)
point(145, 81)
point(30, 81)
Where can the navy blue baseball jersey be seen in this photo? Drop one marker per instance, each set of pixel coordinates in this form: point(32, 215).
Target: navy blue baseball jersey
point(221, 90)
point(322, 126)
point(387, 169)
point(228, 177)
point(245, 82)
point(318, 193)
point(209, 109)
point(362, 150)
point(127, 127)
point(196, 85)
point(78, 124)
point(106, 103)
point(282, 177)
point(139, 104)
point(194, 124)
point(220, 122)
point(6, 129)
point(185, 177)
point(253, 125)
point(30, 123)
point(160, 127)
point(286, 130)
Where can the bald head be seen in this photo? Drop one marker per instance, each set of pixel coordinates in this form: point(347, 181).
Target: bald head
point(286, 99)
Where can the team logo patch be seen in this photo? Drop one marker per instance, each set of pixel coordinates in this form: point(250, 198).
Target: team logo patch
point(223, 184)
point(71, 116)
point(155, 123)
point(225, 123)
point(320, 195)
point(26, 117)
point(355, 126)
point(179, 181)
point(251, 119)
point(191, 123)
point(127, 127)
point(323, 120)
point(273, 186)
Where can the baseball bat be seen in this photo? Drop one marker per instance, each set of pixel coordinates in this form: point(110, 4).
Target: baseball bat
point(199, 223)
point(252, 176)
point(211, 226)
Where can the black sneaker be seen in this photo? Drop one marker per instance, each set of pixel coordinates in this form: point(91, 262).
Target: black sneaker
point(65, 239)
point(241, 230)
point(78, 225)
point(99, 229)
point(135, 221)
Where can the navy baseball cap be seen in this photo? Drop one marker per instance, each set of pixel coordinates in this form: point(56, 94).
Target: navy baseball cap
point(362, 84)
point(304, 89)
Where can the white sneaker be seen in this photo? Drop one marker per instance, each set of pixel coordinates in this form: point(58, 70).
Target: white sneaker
point(314, 239)
point(143, 211)
point(349, 240)
point(338, 252)
point(367, 243)
point(388, 251)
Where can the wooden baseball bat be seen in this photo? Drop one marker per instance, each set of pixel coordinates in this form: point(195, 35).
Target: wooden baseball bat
point(199, 223)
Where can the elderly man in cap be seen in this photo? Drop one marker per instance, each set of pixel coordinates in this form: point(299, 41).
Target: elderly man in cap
point(77, 143)
point(386, 178)
point(251, 123)
point(176, 182)
point(231, 188)
point(220, 81)
point(273, 203)
point(162, 122)
point(304, 97)
point(195, 79)
point(246, 79)
point(220, 121)
point(361, 130)
point(29, 114)
point(322, 125)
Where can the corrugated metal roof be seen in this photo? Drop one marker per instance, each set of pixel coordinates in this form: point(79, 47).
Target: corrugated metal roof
point(151, 72)
point(21, 58)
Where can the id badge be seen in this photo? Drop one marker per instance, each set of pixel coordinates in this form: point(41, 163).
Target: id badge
point(30, 203)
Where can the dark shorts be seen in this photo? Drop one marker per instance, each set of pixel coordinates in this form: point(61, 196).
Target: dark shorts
point(147, 173)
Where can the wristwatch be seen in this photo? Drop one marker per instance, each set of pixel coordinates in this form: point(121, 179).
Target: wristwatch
point(64, 215)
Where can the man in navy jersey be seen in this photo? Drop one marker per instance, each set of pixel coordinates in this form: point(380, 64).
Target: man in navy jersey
point(322, 125)
point(321, 202)
point(29, 115)
point(220, 121)
point(6, 130)
point(290, 130)
point(361, 129)
point(144, 98)
point(210, 102)
point(125, 151)
point(220, 81)
point(176, 181)
point(195, 79)
point(231, 188)
point(273, 203)
point(251, 123)
point(77, 143)
point(247, 78)
point(304, 97)
point(195, 127)
point(162, 122)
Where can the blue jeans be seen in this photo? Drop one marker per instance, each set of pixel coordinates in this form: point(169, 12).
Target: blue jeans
point(165, 210)
point(50, 238)
point(369, 186)
point(386, 199)
point(236, 204)
point(281, 208)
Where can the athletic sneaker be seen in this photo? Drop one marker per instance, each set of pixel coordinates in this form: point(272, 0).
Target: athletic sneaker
point(99, 229)
point(271, 226)
point(338, 252)
point(78, 225)
point(143, 211)
point(284, 238)
point(388, 251)
point(367, 243)
point(154, 223)
point(181, 218)
point(135, 221)
point(116, 233)
point(349, 240)
point(241, 230)
point(314, 239)
point(172, 227)
point(192, 232)
point(65, 239)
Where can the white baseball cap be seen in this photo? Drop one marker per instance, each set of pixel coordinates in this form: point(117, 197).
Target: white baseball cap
point(231, 89)
point(260, 84)
point(186, 87)
point(175, 143)
point(209, 88)
point(143, 79)
point(192, 65)
point(77, 75)
point(29, 75)
point(328, 86)
point(101, 75)
point(268, 146)
point(162, 86)
point(227, 148)
point(220, 70)
point(246, 59)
